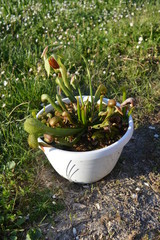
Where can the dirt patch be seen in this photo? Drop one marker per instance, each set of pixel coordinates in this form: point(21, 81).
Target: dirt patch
point(123, 205)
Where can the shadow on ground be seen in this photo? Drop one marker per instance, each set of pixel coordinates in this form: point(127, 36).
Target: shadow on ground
point(123, 205)
point(141, 155)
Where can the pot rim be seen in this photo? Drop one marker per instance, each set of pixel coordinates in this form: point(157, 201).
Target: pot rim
point(114, 146)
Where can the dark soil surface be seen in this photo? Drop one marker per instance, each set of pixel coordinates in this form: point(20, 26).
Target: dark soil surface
point(125, 205)
point(114, 127)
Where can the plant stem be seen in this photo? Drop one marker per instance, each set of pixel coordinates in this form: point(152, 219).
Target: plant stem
point(46, 97)
point(124, 110)
point(90, 83)
point(65, 90)
point(100, 104)
point(60, 102)
point(70, 144)
point(78, 110)
point(80, 94)
point(83, 115)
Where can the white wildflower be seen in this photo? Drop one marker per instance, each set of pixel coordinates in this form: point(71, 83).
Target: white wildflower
point(140, 39)
point(3, 105)
point(5, 83)
point(131, 24)
point(92, 62)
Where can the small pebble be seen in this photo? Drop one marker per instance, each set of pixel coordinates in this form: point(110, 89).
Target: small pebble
point(134, 196)
point(78, 206)
point(74, 231)
point(109, 224)
point(146, 184)
point(156, 135)
point(98, 206)
point(152, 128)
point(85, 186)
point(27, 217)
point(138, 189)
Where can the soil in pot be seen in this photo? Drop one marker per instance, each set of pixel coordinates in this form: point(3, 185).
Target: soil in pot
point(91, 139)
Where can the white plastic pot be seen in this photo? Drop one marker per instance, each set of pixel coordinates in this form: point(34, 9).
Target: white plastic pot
point(89, 166)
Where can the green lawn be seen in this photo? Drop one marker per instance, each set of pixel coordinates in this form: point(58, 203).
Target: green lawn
point(121, 42)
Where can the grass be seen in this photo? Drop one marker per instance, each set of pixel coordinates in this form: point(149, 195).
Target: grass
point(121, 42)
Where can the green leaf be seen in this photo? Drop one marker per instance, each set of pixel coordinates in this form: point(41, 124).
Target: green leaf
point(13, 238)
point(11, 165)
point(34, 234)
point(28, 237)
point(124, 94)
point(34, 126)
point(47, 67)
point(101, 90)
point(1, 220)
point(32, 140)
point(20, 221)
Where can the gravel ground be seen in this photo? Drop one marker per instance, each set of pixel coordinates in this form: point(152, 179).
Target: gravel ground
point(124, 205)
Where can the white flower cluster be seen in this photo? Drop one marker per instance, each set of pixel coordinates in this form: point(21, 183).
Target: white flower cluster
point(140, 39)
